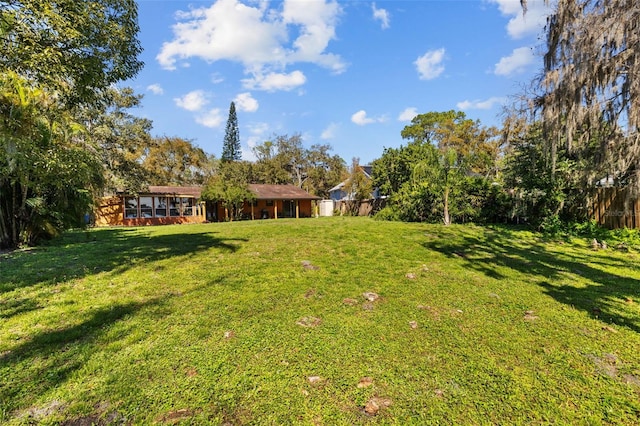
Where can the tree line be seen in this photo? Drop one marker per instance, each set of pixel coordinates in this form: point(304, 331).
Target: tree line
point(68, 135)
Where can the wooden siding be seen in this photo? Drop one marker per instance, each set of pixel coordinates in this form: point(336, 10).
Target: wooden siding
point(615, 208)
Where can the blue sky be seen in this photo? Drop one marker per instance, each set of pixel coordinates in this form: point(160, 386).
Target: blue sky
point(350, 74)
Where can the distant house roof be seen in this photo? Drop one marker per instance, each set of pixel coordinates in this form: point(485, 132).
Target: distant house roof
point(280, 192)
point(338, 187)
point(193, 191)
point(367, 170)
point(261, 191)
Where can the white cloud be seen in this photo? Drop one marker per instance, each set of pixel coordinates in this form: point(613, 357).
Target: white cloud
point(156, 89)
point(217, 78)
point(256, 136)
point(256, 36)
point(258, 128)
point(247, 154)
point(381, 15)
point(408, 114)
point(429, 65)
point(245, 102)
point(517, 62)
point(275, 81)
point(477, 104)
point(521, 25)
point(192, 101)
point(316, 21)
point(360, 118)
point(212, 118)
point(329, 132)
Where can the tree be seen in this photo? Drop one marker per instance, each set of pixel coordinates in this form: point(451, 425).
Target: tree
point(293, 158)
point(590, 87)
point(284, 160)
point(269, 167)
point(427, 180)
point(230, 187)
point(121, 139)
point(357, 187)
point(324, 170)
point(231, 148)
point(47, 174)
point(444, 172)
point(478, 145)
point(76, 47)
point(175, 161)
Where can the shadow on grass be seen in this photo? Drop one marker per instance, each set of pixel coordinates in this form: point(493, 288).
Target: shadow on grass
point(79, 254)
point(604, 296)
point(46, 360)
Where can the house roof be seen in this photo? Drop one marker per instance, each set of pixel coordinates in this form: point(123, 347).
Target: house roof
point(280, 192)
point(338, 187)
point(367, 170)
point(193, 191)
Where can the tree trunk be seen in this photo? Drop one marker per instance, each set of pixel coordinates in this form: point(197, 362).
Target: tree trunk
point(447, 220)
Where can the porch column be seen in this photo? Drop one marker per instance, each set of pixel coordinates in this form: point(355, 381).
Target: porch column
point(275, 209)
point(297, 209)
point(252, 215)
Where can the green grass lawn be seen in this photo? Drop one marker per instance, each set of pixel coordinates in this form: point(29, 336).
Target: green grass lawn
point(265, 322)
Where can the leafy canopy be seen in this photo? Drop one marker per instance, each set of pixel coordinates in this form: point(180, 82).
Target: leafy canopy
point(76, 47)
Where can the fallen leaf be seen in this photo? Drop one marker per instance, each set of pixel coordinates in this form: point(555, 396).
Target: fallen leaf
point(410, 276)
point(413, 324)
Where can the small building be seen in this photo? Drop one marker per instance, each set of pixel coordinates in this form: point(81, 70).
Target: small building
point(159, 205)
point(273, 202)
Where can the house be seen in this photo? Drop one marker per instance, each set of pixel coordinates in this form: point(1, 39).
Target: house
point(158, 205)
point(337, 193)
point(272, 202)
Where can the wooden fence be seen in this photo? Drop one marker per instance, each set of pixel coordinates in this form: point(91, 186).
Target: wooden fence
point(616, 208)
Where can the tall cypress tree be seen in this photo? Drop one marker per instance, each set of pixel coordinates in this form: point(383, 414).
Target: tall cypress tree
point(231, 147)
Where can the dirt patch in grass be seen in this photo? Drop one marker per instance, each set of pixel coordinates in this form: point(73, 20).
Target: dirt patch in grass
point(375, 404)
point(173, 417)
point(309, 322)
point(39, 413)
point(306, 264)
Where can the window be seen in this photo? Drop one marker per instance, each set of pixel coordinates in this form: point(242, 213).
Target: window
point(146, 206)
point(174, 206)
point(270, 203)
point(187, 206)
point(130, 207)
point(161, 206)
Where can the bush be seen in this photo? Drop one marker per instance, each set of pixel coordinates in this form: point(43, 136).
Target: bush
point(388, 213)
